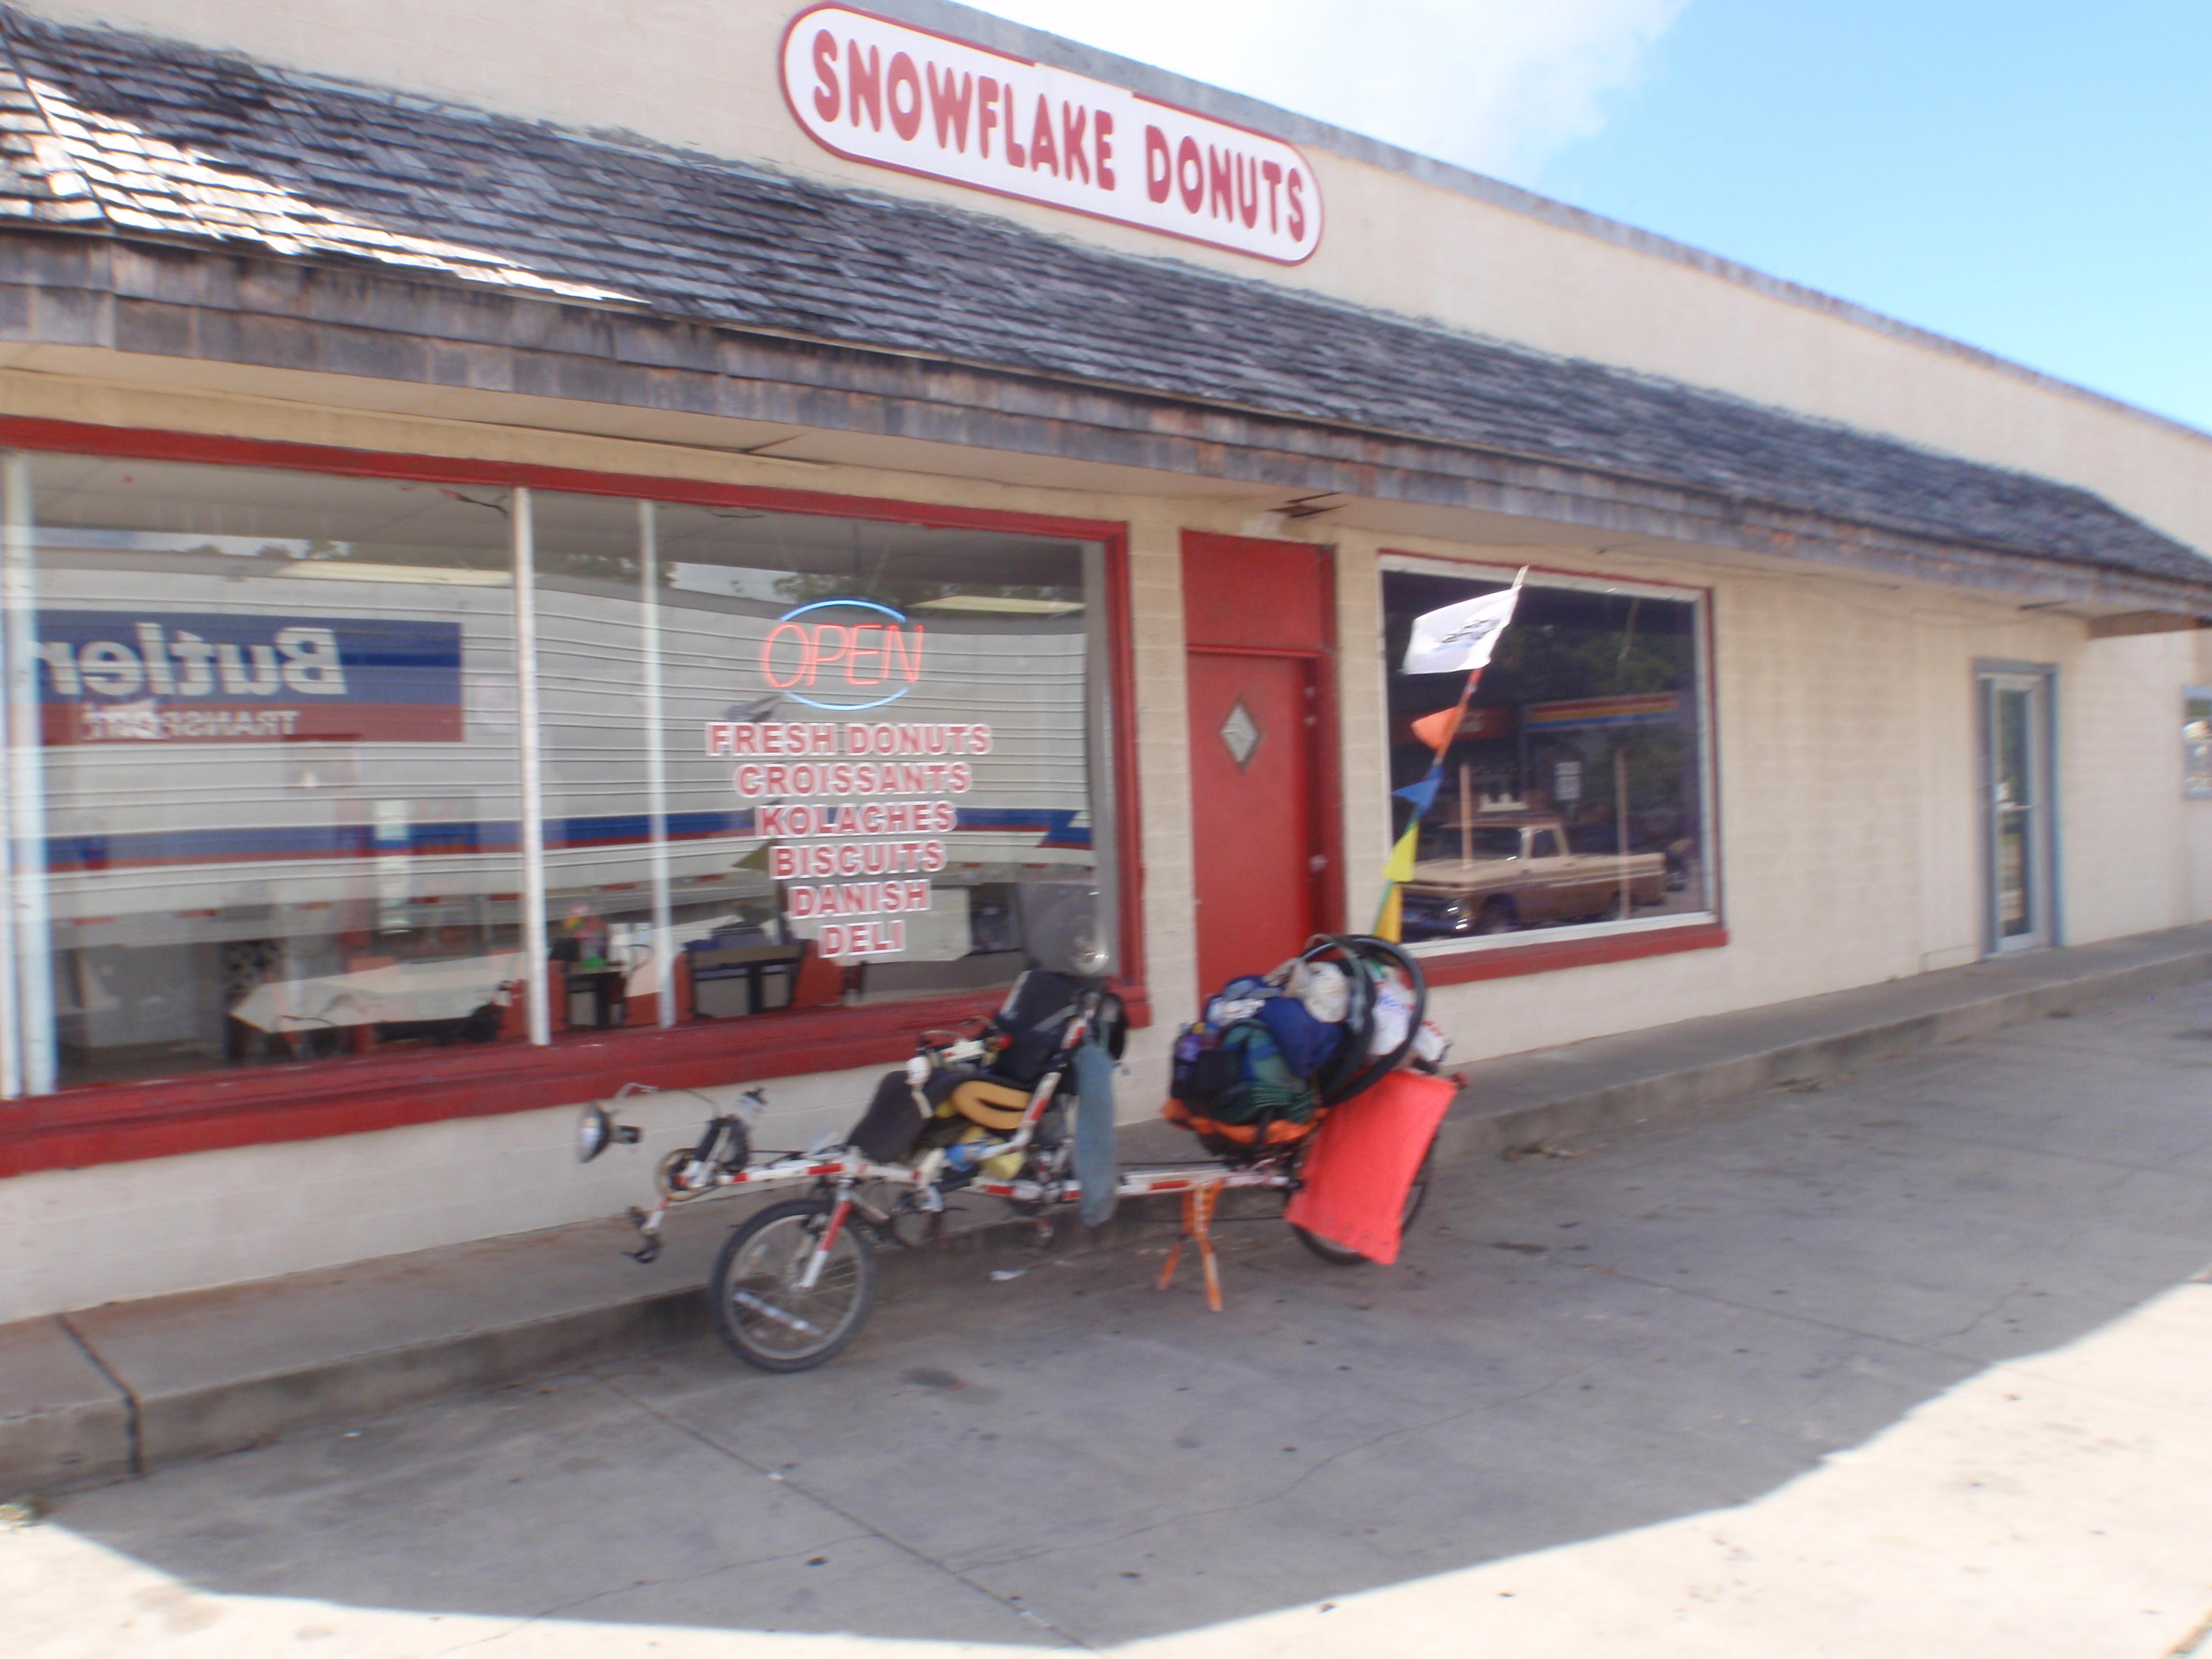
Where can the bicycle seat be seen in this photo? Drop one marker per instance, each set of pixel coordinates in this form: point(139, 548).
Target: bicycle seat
point(986, 1101)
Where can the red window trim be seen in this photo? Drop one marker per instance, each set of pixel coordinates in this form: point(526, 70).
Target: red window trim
point(1549, 955)
point(1488, 563)
point(1544, 957)
point(116, 1123)
point(107, 1123)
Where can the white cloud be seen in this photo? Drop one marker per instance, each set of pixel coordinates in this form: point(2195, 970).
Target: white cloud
point(1496, 85)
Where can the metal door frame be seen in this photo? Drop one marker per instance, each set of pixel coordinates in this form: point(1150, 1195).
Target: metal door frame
point(2040, 681)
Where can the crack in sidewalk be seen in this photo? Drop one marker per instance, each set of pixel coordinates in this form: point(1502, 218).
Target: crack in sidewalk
point(131, 1437)
point(563, 1609)
point(1305, 1475)
point(1028, 1615)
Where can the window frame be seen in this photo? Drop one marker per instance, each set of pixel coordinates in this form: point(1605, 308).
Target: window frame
point(2192, 694)
point(1449, 962)
point(113, 1122)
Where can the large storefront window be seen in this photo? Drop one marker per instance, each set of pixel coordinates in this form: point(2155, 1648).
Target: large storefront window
point(269, 795)
point(1575, 792)
point(278, 715)
point(594, 606)
point(884, 743)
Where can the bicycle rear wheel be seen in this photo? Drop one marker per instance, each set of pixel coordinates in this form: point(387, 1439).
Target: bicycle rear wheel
point(765, 1314)
point(1416, 1195)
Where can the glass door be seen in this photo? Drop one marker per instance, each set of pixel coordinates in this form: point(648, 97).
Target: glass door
point(2017, 797)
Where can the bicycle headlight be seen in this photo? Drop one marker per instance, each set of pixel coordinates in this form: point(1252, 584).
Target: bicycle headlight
point(594, 1130)
point(597, 1129)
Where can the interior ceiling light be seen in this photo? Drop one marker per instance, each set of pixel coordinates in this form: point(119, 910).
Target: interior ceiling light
point(1001, 605)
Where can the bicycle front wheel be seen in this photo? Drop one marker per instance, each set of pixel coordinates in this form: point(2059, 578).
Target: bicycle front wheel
point(765, 1312)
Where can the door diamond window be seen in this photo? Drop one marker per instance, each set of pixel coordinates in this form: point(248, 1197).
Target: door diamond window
point(1242, 733)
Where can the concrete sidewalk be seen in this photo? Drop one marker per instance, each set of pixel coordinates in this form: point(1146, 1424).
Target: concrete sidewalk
point(1908, 1363)
point(95, 1396)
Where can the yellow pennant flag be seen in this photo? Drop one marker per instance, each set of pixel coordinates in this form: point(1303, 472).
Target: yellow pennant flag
point(1390, 924)
point(1400, 866)
point(1400, 869)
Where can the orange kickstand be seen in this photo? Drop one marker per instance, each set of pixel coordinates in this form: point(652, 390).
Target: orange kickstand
point(1197, 1224)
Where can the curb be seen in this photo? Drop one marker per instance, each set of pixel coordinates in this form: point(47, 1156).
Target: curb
point(83, 1426)
point(105, 1431)
point(76, 1428)
point(1664, 1093)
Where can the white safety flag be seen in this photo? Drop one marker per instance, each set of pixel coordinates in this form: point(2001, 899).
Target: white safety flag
point(1460, 638)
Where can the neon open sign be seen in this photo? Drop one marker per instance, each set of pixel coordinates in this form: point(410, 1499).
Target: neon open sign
point(843, 655)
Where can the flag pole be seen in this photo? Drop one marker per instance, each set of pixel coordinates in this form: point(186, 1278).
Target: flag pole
point(1450, 733)
point(1400, 854)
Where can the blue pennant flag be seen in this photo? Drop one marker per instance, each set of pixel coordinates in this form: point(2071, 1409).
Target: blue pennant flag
point(1424, 793)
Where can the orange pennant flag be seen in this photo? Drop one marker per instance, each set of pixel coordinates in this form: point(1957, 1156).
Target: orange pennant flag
point(1438, 729)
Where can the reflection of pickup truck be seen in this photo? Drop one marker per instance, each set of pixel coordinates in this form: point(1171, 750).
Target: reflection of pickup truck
point(1502, 873)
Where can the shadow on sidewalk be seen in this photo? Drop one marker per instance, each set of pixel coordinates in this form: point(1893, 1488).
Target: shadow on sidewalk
point(1573, 1347)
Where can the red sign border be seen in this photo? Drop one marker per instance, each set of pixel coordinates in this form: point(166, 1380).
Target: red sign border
point(783, 54)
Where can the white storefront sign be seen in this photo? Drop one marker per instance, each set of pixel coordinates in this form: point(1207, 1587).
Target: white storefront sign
point(879, 91)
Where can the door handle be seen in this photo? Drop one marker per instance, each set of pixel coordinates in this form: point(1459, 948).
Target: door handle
point(1317, 863)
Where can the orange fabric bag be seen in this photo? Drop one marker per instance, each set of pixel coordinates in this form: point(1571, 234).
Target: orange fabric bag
point(1362, 1160)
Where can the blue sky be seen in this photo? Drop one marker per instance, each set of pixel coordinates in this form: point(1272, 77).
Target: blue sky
point(2034, 178)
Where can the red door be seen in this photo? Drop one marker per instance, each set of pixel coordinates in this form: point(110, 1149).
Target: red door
point(1263, 804)
point(1256, 841)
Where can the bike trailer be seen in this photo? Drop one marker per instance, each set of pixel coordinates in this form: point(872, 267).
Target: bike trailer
point(1248, 1074)
point(1274, 1053)
point(988, 1112)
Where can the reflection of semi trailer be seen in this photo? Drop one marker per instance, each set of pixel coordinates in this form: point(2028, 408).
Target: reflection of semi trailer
point(1024, 824)
point(315, 776)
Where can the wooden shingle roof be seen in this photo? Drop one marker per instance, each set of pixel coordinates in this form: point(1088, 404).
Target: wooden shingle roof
point(120, 135)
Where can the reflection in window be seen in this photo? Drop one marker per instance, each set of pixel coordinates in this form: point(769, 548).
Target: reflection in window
point(784, 761)
point(1574, 791)
point(602, 862)
point(279, 770)
point(972, 663)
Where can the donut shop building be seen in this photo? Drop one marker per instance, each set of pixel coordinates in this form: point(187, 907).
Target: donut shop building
point(552, 560)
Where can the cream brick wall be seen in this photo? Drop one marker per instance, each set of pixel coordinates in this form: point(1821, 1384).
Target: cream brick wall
point(702, 74)
point(1845, 730)
point(1849, 851)
point(76, 1238)
point(1163, 766)
point(1850, 821)
point(72, 1238)
point(1366, 761)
